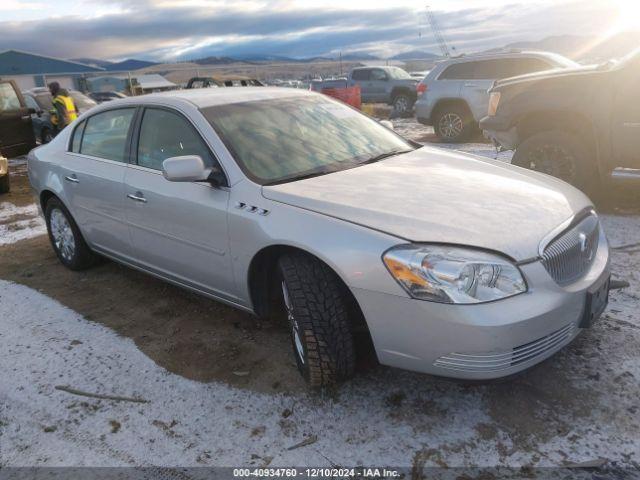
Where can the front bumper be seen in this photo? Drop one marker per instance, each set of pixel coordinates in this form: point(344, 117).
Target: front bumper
point(500, 133)
point(484, 341)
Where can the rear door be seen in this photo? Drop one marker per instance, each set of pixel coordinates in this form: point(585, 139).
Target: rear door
point(474, 89)
point(178, 229)
point(93, 173)
point(625, 124)
point(16, 131)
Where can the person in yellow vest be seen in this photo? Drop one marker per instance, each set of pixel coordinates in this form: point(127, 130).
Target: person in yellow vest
point(64, 109)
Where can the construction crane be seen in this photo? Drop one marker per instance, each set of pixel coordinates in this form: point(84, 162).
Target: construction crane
point(438, 33)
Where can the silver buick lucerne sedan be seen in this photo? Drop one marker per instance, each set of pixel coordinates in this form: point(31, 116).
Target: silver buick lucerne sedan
point(268, 198)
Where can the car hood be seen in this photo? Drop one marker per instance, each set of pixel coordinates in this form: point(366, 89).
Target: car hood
point(544, 74)
point(433, 195)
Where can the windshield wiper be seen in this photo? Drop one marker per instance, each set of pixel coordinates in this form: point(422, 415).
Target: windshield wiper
point(382, 156)
point(295, 178)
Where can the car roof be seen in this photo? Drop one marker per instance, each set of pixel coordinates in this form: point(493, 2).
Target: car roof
point(208, 97)
point(495, 55)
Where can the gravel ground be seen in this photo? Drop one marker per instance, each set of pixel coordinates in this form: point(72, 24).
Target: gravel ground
point(579, 406)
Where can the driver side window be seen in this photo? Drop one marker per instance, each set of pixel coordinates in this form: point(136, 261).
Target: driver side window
point(378, 75)
point(165, 134)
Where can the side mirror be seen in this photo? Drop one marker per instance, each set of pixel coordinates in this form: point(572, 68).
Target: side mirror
point(39, 113)
point(386, 123)
point(31, 111)
point(186, 168)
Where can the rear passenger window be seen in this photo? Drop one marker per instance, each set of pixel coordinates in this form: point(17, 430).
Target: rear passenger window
point(165, 134)
point(522, 66)
point(459, 71)
point(105, 135)
point(360, 75)
point(77, 138)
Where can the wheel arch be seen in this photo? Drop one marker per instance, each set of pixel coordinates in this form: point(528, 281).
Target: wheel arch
point(45, 196)
point(443, 103)
point(565, 121)
point(402, 90)
point(263, 288)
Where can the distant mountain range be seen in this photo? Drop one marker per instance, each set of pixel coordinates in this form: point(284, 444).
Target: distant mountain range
point(125, 65)
point(583, 48)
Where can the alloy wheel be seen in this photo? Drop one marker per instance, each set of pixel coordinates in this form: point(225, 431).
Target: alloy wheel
point(62, 234)
point(401, 104)
point(450, 125)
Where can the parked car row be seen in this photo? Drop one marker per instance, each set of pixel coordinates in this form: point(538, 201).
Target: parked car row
point(454, 97)
point(579, 124)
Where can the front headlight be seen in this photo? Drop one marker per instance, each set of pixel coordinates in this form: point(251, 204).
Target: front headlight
point(494, 101)
point(449, 274)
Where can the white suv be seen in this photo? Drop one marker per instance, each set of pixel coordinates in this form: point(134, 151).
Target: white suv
point(453, 96)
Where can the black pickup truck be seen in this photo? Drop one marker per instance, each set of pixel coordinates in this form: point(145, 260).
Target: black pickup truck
point(581, 125)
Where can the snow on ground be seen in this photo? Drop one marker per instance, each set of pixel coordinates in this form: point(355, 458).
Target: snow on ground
point(19, 223)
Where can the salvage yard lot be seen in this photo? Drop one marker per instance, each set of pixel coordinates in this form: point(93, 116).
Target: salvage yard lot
point(223, 389)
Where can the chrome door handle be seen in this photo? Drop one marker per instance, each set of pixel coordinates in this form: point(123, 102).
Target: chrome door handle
point(137, 197)
point(72, 179)
point(470, 85)
point(26, 117)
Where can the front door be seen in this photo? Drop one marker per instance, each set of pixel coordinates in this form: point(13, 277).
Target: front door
point(377, 86)
point(93, 177)
point(16, 131)
point(625, 125)
point(178, 229)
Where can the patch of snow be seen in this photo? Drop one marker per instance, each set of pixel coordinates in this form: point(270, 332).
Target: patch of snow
point(15, 227)
point(187, 423)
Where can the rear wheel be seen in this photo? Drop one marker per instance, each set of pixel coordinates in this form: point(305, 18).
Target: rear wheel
point(5, 183)
point(402, 104)
point(318, 319)
point(453, 124)
point(66, 238)
point(562, 155)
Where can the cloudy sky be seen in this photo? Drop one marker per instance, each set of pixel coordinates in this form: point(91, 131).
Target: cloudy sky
point(185, 29)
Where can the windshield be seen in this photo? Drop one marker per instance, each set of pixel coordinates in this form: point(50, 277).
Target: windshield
point(398, 73)
point(284, 139)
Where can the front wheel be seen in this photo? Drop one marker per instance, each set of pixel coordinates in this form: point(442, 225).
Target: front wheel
point(562, 155)
point(318, 320)
point(66, 238)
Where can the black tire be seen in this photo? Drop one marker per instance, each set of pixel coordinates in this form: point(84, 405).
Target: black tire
point(317, 311)
point(562, 155)
point(46, 136)
point(402, 104)
point(5, 183)
point(80, 257)
point(453, 123)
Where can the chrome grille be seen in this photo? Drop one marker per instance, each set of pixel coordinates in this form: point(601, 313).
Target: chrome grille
point(569, 256)
point(492, 362)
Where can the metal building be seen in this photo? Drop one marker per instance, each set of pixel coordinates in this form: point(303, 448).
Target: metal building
point(31, 70)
